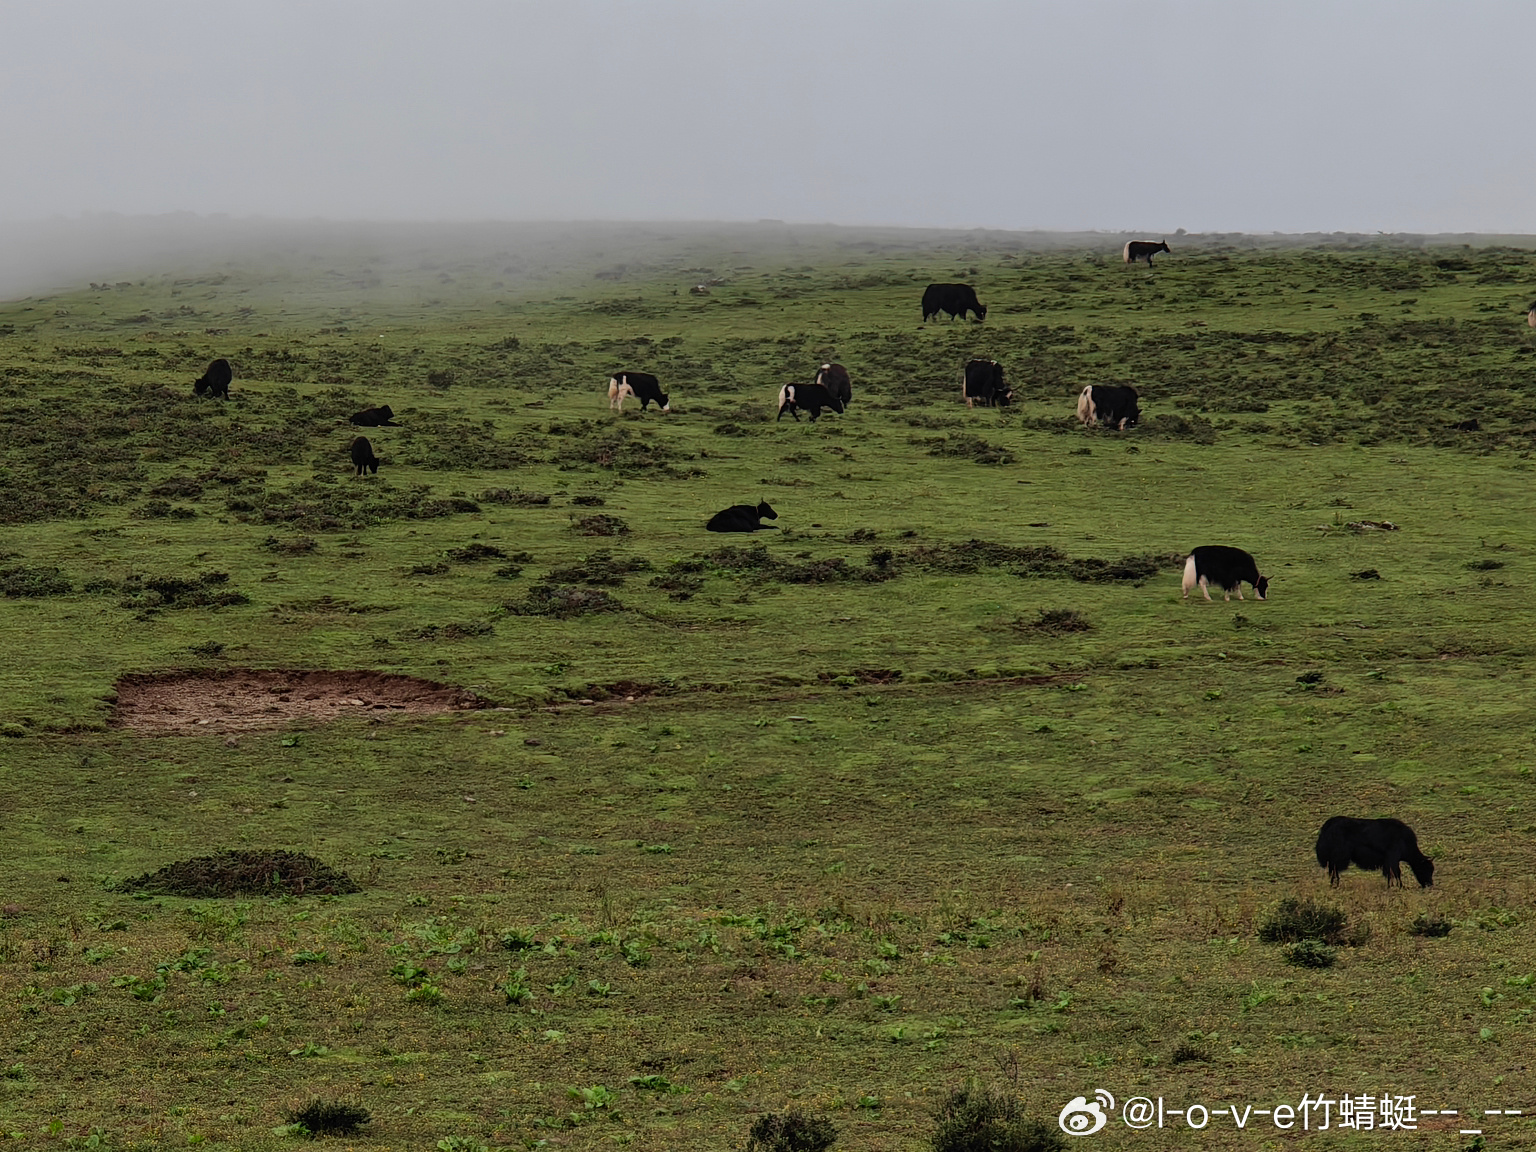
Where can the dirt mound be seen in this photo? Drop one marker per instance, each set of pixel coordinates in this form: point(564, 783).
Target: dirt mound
point(258, 872)
point(237, 699)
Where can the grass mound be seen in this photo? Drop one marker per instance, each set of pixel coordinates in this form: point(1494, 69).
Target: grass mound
point(251, 872)
point(1294, 920)
point(791, 1131)
point(975, 1119)
point(329, 1118)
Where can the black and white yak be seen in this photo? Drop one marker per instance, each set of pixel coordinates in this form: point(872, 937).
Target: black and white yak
point(1112, 405)
point(1225, 567)
point(1143, 250)
point(812, 397)
point(640, 386)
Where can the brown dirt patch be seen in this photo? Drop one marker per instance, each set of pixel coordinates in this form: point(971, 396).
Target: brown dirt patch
point(262, 872)
point(239, 699)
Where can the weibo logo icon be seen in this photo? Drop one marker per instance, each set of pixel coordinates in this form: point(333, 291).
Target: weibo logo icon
point(1080, 1118)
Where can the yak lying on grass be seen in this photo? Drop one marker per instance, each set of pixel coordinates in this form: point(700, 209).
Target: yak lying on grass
point(380, 417)
point(742, 518)
point(215, 381)
point(1370, 844)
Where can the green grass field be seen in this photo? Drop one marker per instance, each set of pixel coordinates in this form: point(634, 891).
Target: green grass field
point(837, 816)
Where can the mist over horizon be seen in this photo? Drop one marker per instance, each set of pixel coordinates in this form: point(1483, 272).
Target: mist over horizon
point(1107, 116)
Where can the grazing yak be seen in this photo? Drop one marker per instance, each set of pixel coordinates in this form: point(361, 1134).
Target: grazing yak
point(834, 378)
point(215, 381)
point(983, 382)
point(742, 518)
point(1372, 844)
point(1144, 250)
point(1112, 405)
point(640, 386)
point(812, 397)
point(1225, 567)
point(363, 457)
point(956, 299)
point(380, 417)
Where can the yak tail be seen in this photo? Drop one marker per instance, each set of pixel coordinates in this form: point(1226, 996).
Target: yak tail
point(785, 395)
point(1127, 252)
point(1085, 407)
point(1190, 577)
point(613, 393)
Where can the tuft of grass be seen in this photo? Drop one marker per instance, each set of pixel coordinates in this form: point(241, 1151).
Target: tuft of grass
point(793, 1130)
point(976, 1119)
point(1058, 622)
point(1293, 920)
point(247, 872)
point(1310, 954)
point(1432, 925)
point(329, 1117)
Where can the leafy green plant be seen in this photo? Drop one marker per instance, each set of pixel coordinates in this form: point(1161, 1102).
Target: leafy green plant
point(1310, 954)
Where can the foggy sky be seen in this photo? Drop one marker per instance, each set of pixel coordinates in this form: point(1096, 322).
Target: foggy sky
point(1146, 115)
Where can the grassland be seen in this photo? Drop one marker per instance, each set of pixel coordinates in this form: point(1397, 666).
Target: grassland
point(824, 817)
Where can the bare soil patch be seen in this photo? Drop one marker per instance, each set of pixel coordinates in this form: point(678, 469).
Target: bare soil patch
point(260, 872)
point(239, 699)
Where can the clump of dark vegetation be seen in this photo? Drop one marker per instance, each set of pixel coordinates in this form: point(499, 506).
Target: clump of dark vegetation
point(731, 428)
point(1187, 1053)
point(600, 568)
point(976, 1119)
point(431, 568)
point(295, 546)
point(1310, 678)
point(23, 581)
point(472, 553)
point(588, 501)
point(208, 649)
point(1294, 920)
point(791, 1131)
point(678, 585)
point(1058, 622)
point(1432, 925)
point(149, 594)
point(441, 378)
point(329, 1118)
point(757, 563)
point(966, 447)
point(251, 872)
point(161, 510)
point(181, 487)
point(465, 631)
point(565, 602)
point(1485, 565)
point(1365, 574)
point(516, 499)
point(615, 447)
point(1172, 426)
point(1042, 561)
point(599, 524)
point(1310, 954)
point(332, 506)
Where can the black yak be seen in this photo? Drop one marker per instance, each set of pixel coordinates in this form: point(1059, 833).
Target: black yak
point(1369, 844)
point(742, 518)
point(1225, 567)
point(363, 457)
point(215, 381)
point(835, 379)
point(380, 417)
point(983, 381)
point(956, 299)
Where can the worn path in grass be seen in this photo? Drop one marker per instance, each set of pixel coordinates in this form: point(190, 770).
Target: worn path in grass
point(865, 828)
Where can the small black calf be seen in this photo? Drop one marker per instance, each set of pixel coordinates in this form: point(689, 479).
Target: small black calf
point(363, 457)
point(742, 518)
point(1372, 844)
point(215, 381)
